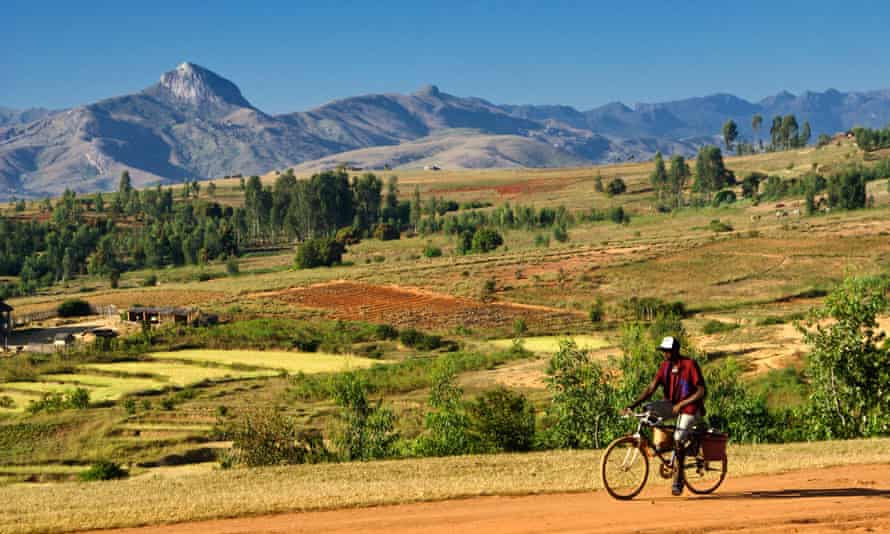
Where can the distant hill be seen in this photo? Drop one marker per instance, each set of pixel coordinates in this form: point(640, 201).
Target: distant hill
point(196, 124)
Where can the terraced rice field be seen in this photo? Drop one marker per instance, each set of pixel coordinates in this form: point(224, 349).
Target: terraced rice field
point(404, 307)
point(550, 344)
point(292, 362)
point(101, 388)
point(176, 373)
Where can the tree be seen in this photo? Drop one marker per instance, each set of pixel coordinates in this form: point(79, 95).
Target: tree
point(659, 178)
point(849, 362)
point(788, 131)
point(582, 406)
point(730, 134)
point(416, 207)
point(366, 430)
point(775, 132)
point(486, 240)
point(211, 190)
point(710, 173)
point(677, 177)
point(805, 134)
point(756, 123)
point(616, 187)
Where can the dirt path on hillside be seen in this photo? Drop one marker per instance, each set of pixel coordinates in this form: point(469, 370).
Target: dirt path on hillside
point(850, 498)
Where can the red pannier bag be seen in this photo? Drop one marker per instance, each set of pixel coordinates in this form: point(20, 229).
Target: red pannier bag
point(713, 445)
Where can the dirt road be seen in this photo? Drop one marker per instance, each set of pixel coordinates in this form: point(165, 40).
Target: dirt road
point(850, 498)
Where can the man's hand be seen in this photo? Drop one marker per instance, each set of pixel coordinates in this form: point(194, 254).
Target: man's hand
point(676, 409)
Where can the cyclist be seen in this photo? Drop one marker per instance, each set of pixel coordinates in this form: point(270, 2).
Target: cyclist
point(683, 385)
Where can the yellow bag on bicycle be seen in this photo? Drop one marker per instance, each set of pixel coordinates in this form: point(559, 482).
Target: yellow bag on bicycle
point(662, 439)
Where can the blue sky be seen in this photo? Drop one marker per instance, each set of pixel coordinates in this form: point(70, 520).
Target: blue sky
point(290, 56)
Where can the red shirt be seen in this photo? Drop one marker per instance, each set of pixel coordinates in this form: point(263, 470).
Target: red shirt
point(679, 380)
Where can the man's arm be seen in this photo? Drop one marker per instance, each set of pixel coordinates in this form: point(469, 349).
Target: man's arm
point(645, 395)
point(699, 394)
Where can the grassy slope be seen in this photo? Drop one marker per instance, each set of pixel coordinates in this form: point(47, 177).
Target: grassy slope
point(215, 494)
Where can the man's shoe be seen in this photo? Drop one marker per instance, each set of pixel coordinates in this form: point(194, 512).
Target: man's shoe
point(677, 490)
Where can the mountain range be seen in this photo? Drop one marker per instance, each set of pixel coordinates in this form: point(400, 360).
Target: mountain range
point(195, 124)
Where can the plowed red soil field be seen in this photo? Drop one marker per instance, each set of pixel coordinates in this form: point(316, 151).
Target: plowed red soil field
point(849, 499)
point(417, 308)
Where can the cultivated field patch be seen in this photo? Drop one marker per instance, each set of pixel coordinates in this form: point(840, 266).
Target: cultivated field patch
point(550, 344)
point(176, 373)
point(292, 362)
point(406, 307)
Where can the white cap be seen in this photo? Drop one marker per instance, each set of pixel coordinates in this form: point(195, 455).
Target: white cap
point(668, 343)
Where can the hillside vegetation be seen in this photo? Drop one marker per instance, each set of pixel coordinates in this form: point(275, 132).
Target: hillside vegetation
point(432, 317)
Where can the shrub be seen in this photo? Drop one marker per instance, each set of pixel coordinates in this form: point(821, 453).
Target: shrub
point(560, 234)
point(232, 268)
point(418, 340)
point(618, 216)
point(447, 425)
point(6, 402)
point(268, 437)
point(78, 398)
point(724, 197)
point(486, 240)
point(129, 406)
point(366, 431)
point(386, 232)
point(385, 331)
point(503, 420)
point(716, 225)
point(74, 308)
point(103, 470)
point(150, 280)
point(714, 327)
point(431, 251)
point(347, 236)
point(581, 408)
point(319, 252)
point(616, 187)
point(542, 240)
point(597, 311)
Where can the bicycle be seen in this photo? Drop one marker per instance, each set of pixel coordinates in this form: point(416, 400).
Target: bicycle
point(625, 463)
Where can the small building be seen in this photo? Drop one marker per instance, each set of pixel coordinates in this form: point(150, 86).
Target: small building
point(162, 315)
point(6, 324)
point(159, 316)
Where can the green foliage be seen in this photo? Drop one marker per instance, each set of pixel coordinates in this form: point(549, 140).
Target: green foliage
point(597, 311)
point(386, 232)
point(129, 405)
point(447, 426)
point(849, 362)
point(75, 399)
point(724, 197)
point(560, 234)
point(486, 240)
point(582, 408)
point(74, 308)
point(618, 216)
point(319, 252)
point(730, 134)
point(616, 187)
point(542, 240)
point(269, 437)
point(715, 327)
point(103, 470)
point(847, 190)
point(718, 226)
point(366, 430)
point(419, 340)
point(710, 173)
point(519, 327)
point(431, 251)
point(503, 420)
point(150, 280)
point(650, 308)
point(232, 268)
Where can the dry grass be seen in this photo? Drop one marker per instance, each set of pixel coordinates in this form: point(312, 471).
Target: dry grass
point(550, 344)
point(153, 500)
point(292, 362)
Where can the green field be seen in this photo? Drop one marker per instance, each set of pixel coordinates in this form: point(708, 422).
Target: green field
point(550, 344)
point(101, 387)
point(292, 362)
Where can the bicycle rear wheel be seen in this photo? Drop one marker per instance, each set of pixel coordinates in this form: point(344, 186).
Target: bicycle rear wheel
point(703, 476)
point(624, 468)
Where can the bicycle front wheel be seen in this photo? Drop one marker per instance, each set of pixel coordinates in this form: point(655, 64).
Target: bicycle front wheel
point(624, 468)
point(703, 476)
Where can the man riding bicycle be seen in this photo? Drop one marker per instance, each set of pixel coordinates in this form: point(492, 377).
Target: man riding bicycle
point(683, 385)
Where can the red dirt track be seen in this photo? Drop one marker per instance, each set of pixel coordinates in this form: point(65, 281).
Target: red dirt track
point(849, 498)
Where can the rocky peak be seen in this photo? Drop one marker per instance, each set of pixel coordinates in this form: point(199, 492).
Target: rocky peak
point(193, 85)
